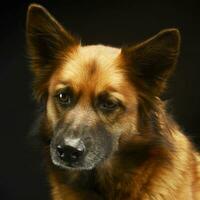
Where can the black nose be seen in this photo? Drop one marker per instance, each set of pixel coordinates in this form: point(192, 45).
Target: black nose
point(70, 154)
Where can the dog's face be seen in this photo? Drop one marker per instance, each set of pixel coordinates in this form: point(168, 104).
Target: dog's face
point(89, 107)
point(93, 93)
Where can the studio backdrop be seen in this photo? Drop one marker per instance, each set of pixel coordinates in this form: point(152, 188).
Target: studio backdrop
point(115, 23)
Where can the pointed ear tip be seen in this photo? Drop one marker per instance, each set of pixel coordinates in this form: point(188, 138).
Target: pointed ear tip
point(172, 32)
point(35, 14)
point(173, 35)
point(36, 8)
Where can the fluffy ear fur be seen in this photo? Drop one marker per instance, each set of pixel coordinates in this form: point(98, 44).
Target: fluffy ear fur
point(152, 61)
point(46, 39)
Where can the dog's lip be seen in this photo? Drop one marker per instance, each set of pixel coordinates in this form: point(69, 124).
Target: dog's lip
point(76, 167)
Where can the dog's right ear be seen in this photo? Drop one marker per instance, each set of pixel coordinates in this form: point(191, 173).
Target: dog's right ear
point(153, 61)
point(46, 39)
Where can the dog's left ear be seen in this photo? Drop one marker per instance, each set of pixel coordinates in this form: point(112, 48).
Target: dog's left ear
point(46, 37)
point(152, 61)
point(47, 41)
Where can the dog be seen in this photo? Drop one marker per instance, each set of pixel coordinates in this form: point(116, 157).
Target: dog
point(105, 130)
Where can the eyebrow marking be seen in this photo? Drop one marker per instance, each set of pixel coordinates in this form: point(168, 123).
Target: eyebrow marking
point(65, 82)
point(112, 93)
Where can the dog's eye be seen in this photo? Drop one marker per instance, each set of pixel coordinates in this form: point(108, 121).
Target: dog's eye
point(64, 98)
point(108, 105)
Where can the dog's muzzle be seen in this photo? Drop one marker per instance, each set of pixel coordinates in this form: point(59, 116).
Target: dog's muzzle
point(80, 149)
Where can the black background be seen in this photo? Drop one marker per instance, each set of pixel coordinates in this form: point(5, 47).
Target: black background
point(109, 22)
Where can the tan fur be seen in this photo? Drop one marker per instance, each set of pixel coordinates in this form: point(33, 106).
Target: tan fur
point(157, 177)
point(154, 160)
point(107, 77)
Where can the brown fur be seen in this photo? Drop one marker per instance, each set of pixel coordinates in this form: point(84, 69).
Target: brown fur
point(154, 159)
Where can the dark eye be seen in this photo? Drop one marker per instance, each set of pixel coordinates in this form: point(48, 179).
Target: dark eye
point(108, 105)
point(64, 98)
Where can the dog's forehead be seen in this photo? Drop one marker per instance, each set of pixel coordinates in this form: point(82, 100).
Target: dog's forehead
point(101, 52)
point(96, 65)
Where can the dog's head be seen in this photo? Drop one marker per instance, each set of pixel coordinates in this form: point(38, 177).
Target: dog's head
point(93, 94)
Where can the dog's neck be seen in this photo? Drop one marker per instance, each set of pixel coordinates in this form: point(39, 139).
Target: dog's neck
point(104, 184)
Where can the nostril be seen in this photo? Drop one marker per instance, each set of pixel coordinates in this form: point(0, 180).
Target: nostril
point(73, 154)
point(76, 153)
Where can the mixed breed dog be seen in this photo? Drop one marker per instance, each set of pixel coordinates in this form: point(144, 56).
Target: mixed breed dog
point(105, 131)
